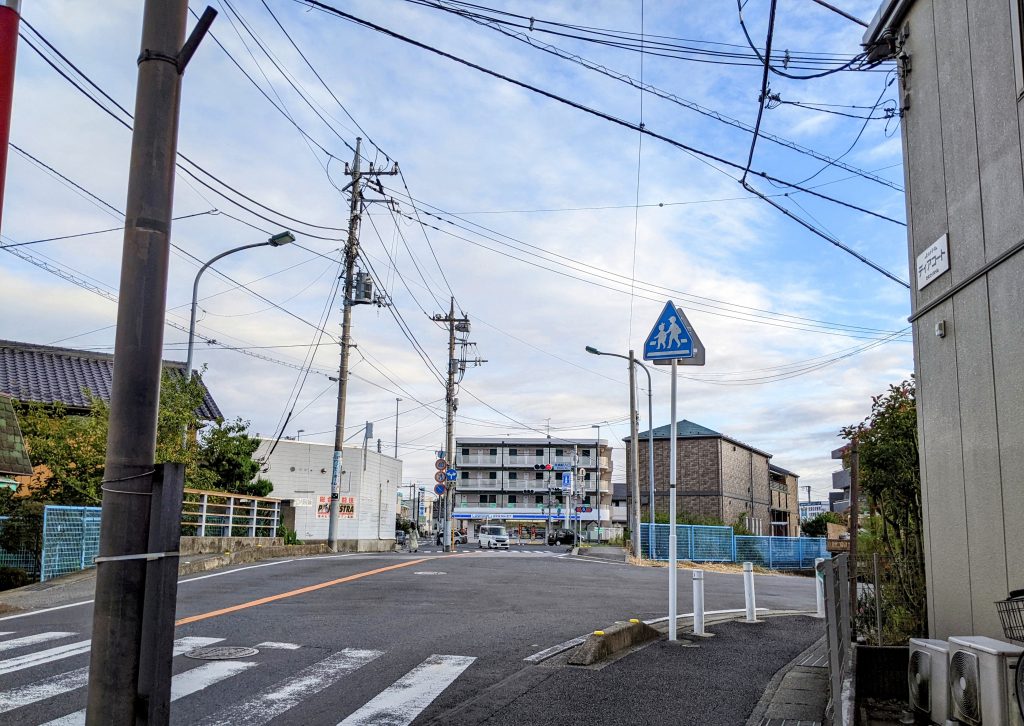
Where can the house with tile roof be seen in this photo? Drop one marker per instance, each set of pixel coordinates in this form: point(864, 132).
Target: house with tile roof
point(14, 459)
point(31, 373)
point(718, 477)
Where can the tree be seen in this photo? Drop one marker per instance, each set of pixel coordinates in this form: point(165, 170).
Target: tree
point(23, 528)
point(890, 478)
point(818, 526)
point(225, 458)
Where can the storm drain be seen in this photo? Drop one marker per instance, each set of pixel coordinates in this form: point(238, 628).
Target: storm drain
point(223, 652)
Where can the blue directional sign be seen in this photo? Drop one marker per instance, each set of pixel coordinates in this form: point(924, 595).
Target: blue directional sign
point(451, 474)
point(566, 480)
point(673, 338)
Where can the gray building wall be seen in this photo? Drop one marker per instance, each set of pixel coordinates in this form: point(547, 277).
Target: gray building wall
point(962, 147)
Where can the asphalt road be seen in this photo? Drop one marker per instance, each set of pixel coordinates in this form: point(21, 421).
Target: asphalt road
point(364, 639)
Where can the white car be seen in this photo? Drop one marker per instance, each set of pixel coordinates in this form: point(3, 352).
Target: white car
point(492, 536)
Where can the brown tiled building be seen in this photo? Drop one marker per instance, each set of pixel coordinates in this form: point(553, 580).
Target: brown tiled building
point(718, 477)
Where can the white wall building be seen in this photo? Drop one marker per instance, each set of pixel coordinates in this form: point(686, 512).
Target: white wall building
point(301, 473)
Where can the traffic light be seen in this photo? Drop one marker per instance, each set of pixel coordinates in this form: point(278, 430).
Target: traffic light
point(543, 467)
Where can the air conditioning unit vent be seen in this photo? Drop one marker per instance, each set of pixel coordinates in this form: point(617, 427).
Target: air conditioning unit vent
point(926, 678)
point(980, 681)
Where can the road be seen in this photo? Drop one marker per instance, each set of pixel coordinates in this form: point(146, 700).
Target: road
point(360, 639)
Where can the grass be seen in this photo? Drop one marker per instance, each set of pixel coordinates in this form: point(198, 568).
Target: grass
point(732, 568)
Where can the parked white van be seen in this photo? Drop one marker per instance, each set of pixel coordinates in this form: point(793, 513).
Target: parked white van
point(491, 536)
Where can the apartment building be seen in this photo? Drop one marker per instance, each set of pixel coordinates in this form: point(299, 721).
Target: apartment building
point(719, 477)
point(507, 480)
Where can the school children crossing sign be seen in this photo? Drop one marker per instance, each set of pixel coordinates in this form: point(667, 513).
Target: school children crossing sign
point(673, 339)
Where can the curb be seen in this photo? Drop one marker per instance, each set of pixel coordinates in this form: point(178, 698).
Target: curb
point(603, 643)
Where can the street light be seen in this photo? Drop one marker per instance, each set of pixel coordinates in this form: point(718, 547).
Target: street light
point(299, 433)
point(650, 450)
point(282, 238)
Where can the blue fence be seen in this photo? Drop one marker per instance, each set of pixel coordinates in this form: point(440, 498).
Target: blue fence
point(71, 540)
point(22, 559)
point(699, 543)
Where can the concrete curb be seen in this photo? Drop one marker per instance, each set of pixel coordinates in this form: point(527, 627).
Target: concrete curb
point(603, 643)
point(214, 562)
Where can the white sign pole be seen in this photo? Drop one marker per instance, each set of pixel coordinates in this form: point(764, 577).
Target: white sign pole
point(672, 514)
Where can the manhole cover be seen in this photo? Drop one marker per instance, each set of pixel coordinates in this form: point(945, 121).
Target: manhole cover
point(428, 572)
point(224, 652)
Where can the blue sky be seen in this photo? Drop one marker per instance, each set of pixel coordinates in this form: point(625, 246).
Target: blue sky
point(468, 144)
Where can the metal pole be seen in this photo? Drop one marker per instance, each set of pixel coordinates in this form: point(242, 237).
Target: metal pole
point(9, 20)
point(397, 401)
point(748, 592)
point(131, 439)
point(819, 587)
point(351, 254)
point(698, 602)
point(650, 460)
point(195, 300)
point(672, 513)
point(854, 517)
point(635, 454)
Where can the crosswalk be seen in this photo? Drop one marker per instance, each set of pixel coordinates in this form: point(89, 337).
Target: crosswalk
point(504, 553)
point(303, 675)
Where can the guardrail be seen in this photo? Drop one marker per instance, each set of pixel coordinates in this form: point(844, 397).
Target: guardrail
point(223, 514)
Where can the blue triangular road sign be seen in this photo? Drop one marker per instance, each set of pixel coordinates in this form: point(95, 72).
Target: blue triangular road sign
point(672, 337)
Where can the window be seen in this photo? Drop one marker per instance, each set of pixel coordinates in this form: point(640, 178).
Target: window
point(540, 453)
point(559, 452)
point(488, 498)
point(492, 475)
point(539, 475)
point(586, 499)
point(513, 452)
point(512, 499)
point(465, 451)
point(538, 499)
point(513, 475)
point(585, 452)
point(465, 475)
point(586, 477)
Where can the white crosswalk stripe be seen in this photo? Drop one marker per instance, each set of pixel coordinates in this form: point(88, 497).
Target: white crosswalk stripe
point(78, 678)
point(32, 640)
point(404, 700)
point(183, 684)
point(287, 693)
point(397, 705)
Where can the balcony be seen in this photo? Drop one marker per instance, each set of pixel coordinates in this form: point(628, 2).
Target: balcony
point(478, 460)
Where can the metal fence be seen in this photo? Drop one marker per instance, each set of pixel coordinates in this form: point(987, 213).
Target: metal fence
point(781, 553)
point(837, 631)
point(700, 543)
point(22, 559)
point(71, 540)
point(221, 514)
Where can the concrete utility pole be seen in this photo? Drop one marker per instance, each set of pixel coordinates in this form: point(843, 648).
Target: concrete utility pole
point(854, 516)
point(130, 623)
point(351, 258)
point(397, 401)
point(9, 20)
point(456, 367)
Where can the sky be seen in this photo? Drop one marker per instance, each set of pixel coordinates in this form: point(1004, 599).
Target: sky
point(553, 229)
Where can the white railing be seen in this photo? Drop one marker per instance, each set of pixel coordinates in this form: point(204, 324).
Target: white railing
point(224, 514)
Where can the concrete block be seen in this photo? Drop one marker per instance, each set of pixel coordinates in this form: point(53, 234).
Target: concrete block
point(603, 643)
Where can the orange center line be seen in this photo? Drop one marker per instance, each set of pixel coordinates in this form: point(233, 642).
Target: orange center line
point(301, 591)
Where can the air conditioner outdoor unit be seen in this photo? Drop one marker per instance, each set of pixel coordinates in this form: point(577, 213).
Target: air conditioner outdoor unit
point(926, 678)
point(981, 681)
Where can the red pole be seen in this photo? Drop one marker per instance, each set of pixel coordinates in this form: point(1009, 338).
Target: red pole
point(9, 17)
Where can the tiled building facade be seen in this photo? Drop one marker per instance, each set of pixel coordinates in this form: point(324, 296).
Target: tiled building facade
point(719, 478)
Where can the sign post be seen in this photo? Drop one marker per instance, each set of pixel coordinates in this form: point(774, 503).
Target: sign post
point(672, 341)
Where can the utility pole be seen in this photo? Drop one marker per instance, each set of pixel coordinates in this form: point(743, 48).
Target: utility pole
point(133, 615)
point(456, 369)
point(397, 401)
point(351, 258)
point(854, 516)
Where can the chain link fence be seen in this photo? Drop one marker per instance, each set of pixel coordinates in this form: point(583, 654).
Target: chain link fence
point(71, 540)
point(700, 543)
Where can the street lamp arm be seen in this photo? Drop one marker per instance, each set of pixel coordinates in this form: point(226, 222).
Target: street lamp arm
point(277, 240)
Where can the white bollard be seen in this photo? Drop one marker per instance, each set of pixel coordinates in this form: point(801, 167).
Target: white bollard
point(748, 591)
point(698, 602)
point(819, 586)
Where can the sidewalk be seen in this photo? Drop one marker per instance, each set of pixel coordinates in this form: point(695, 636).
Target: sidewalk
point(716, 681)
